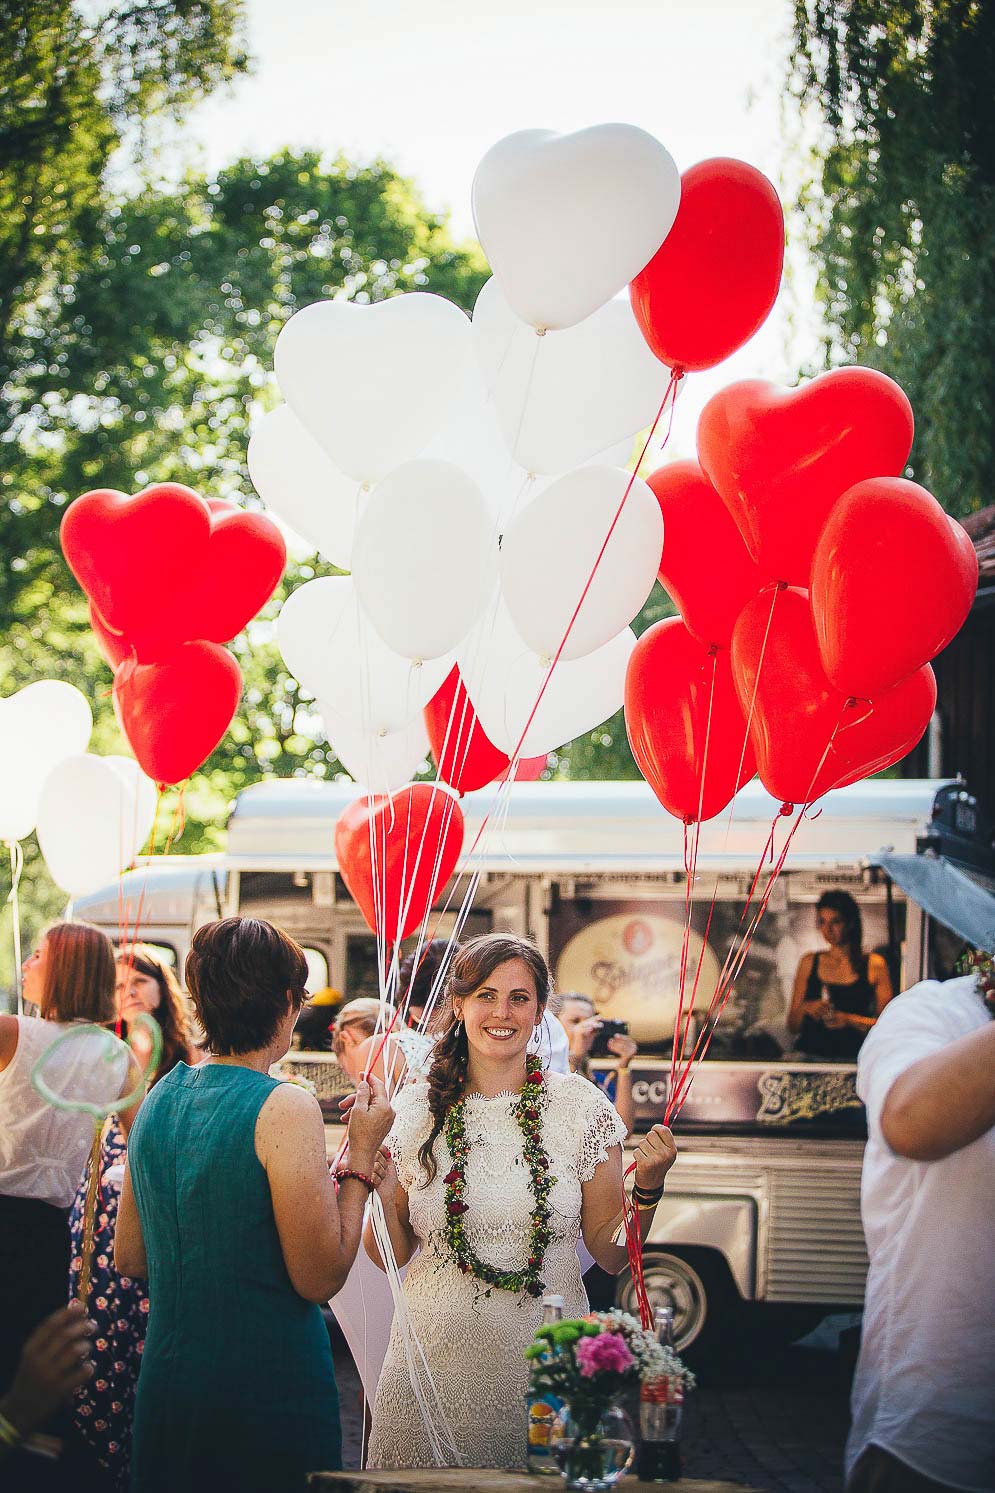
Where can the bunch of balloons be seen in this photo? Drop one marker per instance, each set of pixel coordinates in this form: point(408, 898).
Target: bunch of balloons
point(92, 814)
point(814, 583)
point(470, 476)
point(170, 577)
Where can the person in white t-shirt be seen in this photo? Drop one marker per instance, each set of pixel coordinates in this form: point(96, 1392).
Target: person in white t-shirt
point(923, 1401)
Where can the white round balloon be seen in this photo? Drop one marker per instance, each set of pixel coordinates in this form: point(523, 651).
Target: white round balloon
point(563, 399)
point(91, 824)
point(566, 221)
point(504, 679)
point(299, 484)
point(373, 384)
point(424, 558)
point(551, 549)
point(331, 647)
point(381, 761)
point(40, 726)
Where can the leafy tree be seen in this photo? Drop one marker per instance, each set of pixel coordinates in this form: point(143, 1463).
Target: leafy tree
point(900, 211)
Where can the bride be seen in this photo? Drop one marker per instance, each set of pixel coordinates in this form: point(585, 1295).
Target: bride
point(497, 1167)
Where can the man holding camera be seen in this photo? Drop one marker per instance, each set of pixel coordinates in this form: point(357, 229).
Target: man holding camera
point(591, 1036)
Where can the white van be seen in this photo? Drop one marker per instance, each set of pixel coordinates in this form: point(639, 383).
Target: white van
point(763, 1204)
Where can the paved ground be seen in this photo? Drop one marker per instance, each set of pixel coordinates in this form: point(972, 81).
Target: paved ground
point(775, 1421)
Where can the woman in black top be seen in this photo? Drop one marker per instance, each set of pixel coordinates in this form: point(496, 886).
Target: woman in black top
point(840, 992)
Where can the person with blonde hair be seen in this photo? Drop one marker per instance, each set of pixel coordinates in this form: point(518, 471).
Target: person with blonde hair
point(369, 1032)
point(69, 977)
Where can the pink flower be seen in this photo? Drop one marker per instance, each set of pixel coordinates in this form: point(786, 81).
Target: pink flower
point(608, 1352)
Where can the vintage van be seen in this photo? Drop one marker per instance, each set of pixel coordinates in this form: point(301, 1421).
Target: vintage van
point(762, 1210)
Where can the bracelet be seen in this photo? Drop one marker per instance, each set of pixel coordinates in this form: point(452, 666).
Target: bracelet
point(344, 1175)
point(650, 1199)
point(9, 1434)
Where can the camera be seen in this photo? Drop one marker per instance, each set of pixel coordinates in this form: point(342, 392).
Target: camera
point(604, 1034)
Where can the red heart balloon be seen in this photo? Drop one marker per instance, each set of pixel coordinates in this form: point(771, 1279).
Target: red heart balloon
point(715, 277)
point(796, 710)
point(237, 575)
point(893, 579)
point(176, 711)
point(668, 685)
point(466, 758)
point(706, 568)
point(133, 555)
point(210, 565)
point(780, 458)
point(396, 853)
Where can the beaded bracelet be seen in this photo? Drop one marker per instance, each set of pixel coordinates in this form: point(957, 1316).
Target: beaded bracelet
point(9, 1434)
point(344, 1175)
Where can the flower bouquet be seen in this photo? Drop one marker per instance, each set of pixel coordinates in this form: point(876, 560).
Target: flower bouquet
point(588, 1363)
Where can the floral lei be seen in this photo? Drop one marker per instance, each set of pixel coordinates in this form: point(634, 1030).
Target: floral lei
point(527, 1113)
point(982, 966)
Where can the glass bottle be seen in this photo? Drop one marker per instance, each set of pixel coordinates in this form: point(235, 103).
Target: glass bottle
point(542, 1407)
point(661, 1410)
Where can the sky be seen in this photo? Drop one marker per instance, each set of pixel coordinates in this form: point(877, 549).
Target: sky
point(431, 84)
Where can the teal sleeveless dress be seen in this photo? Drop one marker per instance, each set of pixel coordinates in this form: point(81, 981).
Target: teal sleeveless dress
point(237, 1387)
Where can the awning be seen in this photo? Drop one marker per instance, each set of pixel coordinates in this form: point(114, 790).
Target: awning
point(946, 893)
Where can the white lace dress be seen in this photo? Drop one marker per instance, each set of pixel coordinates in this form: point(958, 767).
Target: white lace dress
point(474, 1343)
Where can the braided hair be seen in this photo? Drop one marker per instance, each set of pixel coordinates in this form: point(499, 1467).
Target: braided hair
point(471, 966)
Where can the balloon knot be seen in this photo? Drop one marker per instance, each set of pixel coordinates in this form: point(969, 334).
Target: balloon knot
point(416, 663)
point(782, 585)
point(541, 331)
point(786, 810)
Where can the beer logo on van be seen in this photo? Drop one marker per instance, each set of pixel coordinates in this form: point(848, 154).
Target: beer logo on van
point(630, 966)
point(637, 936)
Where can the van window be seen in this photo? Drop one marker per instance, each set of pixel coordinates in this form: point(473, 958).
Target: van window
point(361, 975)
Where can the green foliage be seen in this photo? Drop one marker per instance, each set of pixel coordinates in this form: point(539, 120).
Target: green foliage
point(900, 211)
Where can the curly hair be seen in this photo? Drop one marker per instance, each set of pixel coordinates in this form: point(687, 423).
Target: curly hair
point(471, 966)
point(171, 1012)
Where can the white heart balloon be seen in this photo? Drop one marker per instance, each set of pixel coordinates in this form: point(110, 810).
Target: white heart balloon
point(331, 647)
point(93, 818)
point(504, 680)
point(424, 558)
point(381, 761)
point(40, 726)
point(563, 399)
point(372, 384)
point(566, 221)
point(301, 485)
point(549, 552)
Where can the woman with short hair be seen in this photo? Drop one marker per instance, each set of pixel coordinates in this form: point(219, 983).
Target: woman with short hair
point(43, 1149)
point(229, 1209)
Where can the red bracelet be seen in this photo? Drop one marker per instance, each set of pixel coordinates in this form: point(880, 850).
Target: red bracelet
point(343, 1175)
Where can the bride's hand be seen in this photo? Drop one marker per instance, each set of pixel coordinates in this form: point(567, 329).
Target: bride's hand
point(654, 1156)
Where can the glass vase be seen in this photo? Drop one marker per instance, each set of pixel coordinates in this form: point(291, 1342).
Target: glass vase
point(592, 1445)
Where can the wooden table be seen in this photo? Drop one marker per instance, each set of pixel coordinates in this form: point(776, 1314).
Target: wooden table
point(477, 1480)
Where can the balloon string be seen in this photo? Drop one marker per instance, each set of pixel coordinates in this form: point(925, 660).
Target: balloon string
point(179, 820)
point(16, 868)
point(779, 586)
point(634, 1250)
point(736, 955)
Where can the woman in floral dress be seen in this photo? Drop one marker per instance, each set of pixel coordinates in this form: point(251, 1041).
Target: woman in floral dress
point(119, 1306)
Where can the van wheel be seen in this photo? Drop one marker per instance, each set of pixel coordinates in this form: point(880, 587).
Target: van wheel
point(696, 1283)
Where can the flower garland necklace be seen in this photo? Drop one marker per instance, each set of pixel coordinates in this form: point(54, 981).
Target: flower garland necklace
point(982, 966)
point(528, 1115)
